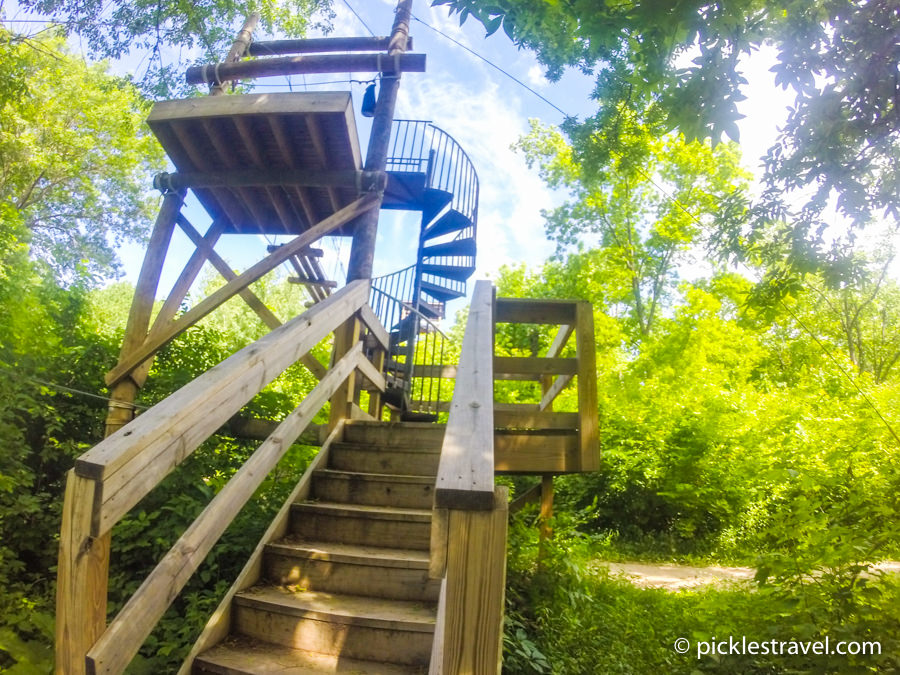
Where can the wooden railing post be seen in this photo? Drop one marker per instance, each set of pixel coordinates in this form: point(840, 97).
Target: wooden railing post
point(345, 337)
point(82, 582)
point(472, 622)
point(588, 434)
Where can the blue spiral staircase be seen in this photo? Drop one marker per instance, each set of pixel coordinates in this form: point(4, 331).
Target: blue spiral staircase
point(429, 173)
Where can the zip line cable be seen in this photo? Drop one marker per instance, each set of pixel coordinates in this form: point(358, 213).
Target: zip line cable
point(71, 390)
point(356, 14)
point(493, 65)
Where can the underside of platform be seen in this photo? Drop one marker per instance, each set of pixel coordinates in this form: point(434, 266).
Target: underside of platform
point(266, 132)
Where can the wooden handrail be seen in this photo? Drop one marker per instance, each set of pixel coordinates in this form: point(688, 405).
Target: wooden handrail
point(117, 473)
point(136, 458)
point(465, 478)
point(124, 636)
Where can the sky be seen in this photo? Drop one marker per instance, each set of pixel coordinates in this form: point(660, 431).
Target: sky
point(486, 112)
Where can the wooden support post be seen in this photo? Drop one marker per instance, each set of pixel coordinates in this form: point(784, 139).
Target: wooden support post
point(362, 252)
point(375, 404)
point(588, 434)
point(238, 48)
point(546, 508)
point(471, 623)
point(345, 338)
point(82, 579)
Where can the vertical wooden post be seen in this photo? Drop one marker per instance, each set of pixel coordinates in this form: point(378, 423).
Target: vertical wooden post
point(362, 252)
point(82, 579)
point(122, 395)
point(345, 337)
point(589, 442)
point(375, 405)
point(238, 49)
point(546, 507)
point(472, 622)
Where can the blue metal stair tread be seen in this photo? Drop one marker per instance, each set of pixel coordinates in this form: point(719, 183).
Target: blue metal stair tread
point(434, 201)
point(456, 272)
point(451, 221)
point(465, 246)
point(405, 190)
point(440, 292)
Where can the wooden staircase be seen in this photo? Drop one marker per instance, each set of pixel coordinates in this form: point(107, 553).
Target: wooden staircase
point(346, 589)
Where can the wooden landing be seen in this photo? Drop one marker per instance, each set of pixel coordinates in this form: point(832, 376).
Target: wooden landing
point(277, 131)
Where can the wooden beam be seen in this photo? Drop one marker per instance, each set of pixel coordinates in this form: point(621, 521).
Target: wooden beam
point(522, 310)
point(124, 636)
point(533, 368)
point(562, 337)
point(82, 579)
point(589, 442)
point(553, 391)
point(306, 64)
point(132, 461)
point(346, 337)
point(240, 282)
point(361, 181)
point(465, 478)
point(526, 419)
point(374, 325)
point(531, 452)
point(318, 45)
point(472, 621)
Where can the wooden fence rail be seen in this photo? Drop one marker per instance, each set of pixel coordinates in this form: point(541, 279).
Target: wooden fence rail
point(116, 474)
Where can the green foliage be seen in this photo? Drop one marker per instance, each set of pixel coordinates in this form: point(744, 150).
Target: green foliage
point(166, 31)
point(665, 66)
point(75, 156)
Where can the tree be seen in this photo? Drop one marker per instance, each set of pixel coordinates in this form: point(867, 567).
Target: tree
point(642, 217)
point(838, 56)
point(172, 33)
point(76, 157)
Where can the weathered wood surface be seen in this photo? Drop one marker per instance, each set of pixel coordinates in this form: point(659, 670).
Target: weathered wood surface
point(219, 624)
point(360, 181)
point(589, 441)
point(470, 620)
point(309, 63)
point(238, 48)
point(532, 368)
point(132, 461)
point(560, 340)
point(255, 272)
point(318, 45)
point(536, 452)
point(530, 419)
point(466, 472)
point(521, 310)
point(82, 579)
point(124, 636)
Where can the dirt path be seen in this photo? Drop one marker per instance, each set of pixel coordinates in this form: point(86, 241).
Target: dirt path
point(675, 577)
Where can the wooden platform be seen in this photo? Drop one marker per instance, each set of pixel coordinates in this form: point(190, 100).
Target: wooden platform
point(269, 132)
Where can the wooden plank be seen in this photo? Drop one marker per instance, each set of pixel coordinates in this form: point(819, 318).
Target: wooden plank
point(308, 64)
point(465, 478)
point(318, 45)
point(124, 636)
point(522, 310)
point(589, 442)
point(530, 452)
point(240, 282)
point(428, 371)
point(476, 583)
point(219, 624)
point(553, 391)
point(534, 368)
point(274, 103)
point(372, 322)
point(559, 342)
point(82, 579)
point(375, 399)
point(345, 337)
point(361, 181)
point(528, 419)
point(318, 140)
point(374, 377)
point(133, 460)
point(437, 559)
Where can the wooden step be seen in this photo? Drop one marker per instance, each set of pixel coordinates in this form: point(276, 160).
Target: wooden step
point(243, 656)
point(399, 574)
point(378, 489)
point(395, 434)
point(362, 525)
point(348, 626)
point(407, 461)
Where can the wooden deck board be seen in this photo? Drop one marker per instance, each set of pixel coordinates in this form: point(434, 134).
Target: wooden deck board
point(267, 131)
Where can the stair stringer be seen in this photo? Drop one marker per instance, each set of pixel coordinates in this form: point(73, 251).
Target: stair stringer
point(219, 625)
